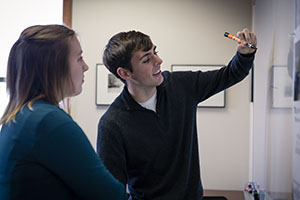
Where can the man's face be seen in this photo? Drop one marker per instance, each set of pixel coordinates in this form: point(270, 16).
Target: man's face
point(146, 68)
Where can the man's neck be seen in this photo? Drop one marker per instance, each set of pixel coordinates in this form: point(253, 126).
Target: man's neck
point(141, 94)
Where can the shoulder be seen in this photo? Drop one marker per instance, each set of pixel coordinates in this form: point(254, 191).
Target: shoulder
point(48, 117)
point(178, 78)
point(44, 110)
point(118, 109)
point(116, 118)
point(178, 75)
point(113, 115)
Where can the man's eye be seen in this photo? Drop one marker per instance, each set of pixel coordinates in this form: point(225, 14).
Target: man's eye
point(147, 60)
point(155, 52)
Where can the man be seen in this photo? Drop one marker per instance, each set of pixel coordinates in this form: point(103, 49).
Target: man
point(148, 136)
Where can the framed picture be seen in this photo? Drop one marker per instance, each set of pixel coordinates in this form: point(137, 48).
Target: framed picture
point(282, 87)
point(296, 73)
point(297, 15)
point(215, 101)
point(108, 87)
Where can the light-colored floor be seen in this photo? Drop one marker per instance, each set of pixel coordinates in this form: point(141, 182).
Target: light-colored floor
point(229, 194)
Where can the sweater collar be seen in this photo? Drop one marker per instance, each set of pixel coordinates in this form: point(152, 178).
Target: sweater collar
point(131, 104)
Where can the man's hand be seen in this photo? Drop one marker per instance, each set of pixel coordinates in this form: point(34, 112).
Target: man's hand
point(246, 37)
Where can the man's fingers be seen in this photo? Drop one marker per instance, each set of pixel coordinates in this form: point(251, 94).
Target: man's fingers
point(252, 38)
point(246, 36)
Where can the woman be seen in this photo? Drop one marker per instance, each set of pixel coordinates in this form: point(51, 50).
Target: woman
point(44, 154)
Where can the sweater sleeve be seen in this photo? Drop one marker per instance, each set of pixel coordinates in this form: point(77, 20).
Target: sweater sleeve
point(111, 150)
point(64, 149)
point(202, 85)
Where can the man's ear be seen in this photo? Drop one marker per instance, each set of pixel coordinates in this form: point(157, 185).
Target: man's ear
point(123, 73)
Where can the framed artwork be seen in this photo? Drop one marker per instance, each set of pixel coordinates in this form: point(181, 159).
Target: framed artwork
point(215, 101)
point(282, 87)
point(108, 87)
point(297, 14)
point(296, 75)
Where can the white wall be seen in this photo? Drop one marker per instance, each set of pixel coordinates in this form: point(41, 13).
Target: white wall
point(185, 32)
point(272, 127)
point(15, 16)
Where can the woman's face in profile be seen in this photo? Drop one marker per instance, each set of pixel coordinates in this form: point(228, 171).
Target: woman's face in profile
point(77, 66)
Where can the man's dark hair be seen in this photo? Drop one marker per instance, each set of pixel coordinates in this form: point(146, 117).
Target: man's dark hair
point(120, 49)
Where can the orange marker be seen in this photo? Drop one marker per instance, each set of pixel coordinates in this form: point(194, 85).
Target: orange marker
point(230, 36)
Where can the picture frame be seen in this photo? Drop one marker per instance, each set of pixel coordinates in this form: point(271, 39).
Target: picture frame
point(108, 87)
point(282, 87)
point(216, 101)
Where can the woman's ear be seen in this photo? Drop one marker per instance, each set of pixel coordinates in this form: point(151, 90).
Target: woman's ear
point(123, 73)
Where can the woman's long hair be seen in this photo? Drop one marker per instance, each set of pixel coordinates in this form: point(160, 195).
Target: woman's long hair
point(38, 68)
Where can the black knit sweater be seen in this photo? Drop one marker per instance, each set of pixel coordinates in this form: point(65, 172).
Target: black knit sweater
point(156, 154)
